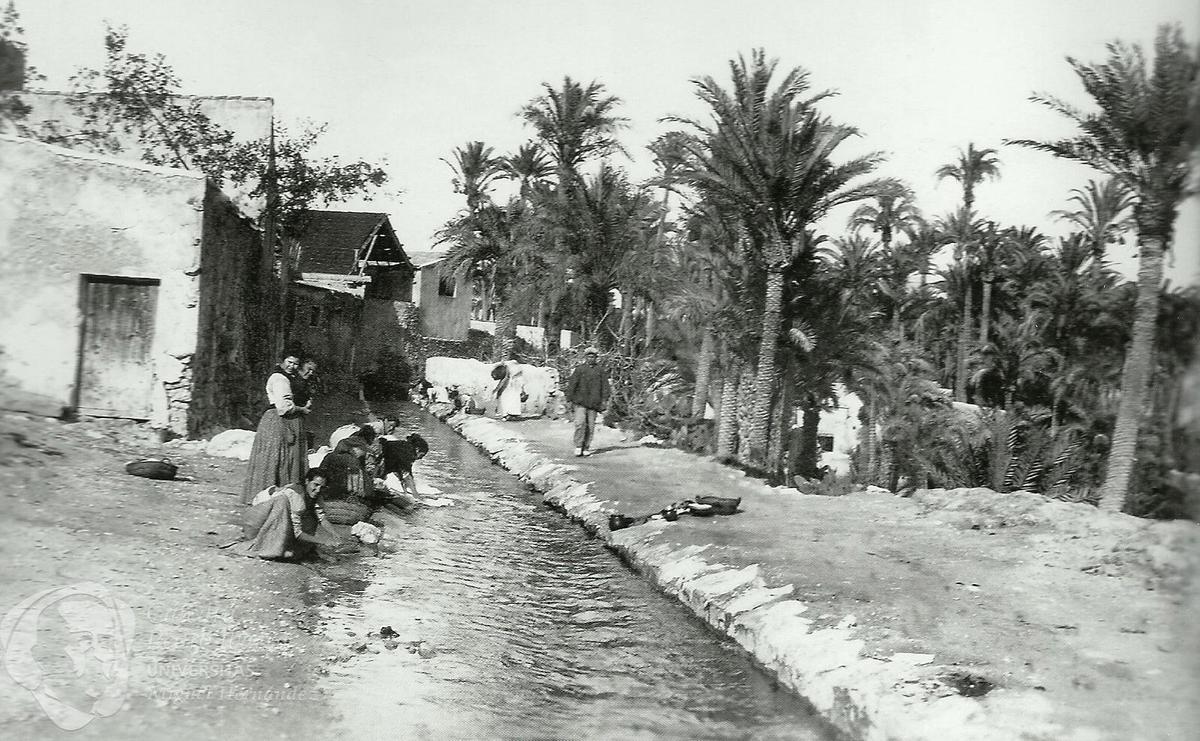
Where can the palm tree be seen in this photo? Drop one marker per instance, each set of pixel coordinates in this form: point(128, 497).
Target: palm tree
point(766, 155)
point(962, 230)
point(1099, 215)
point(1142, 134)
point(574, 123)
point(700, 283)
point(970, 169)
point(475, 167)
point(854, 259)
point(892, 210)
point(528, 166)
point(1014, 357)
point(669, 154)
point(998, 249)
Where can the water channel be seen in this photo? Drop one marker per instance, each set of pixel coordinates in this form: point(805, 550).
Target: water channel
point(531, 628)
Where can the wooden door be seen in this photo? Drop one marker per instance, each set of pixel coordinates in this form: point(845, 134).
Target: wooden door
point(116, 372)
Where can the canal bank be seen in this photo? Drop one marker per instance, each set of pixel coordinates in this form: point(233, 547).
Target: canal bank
point(947, 615)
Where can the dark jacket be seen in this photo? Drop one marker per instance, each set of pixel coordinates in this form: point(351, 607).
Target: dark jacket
point(588, 387)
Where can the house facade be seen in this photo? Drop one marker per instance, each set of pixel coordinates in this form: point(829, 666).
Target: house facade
point(128, 291)
point(351, 306)
point(442, 296)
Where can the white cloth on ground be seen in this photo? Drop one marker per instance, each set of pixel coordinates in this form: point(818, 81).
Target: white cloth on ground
point(366, 532)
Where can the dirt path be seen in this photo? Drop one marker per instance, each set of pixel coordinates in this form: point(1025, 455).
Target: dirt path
point(218, 641)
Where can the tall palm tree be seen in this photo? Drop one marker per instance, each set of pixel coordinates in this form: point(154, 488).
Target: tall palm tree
point(574, 123)
point(962, 230)
point(1142, 134)
point(475, 167)
point(971, 168)
point(700, 284)
point(1100, 214)
point(893, 210)
point(766, 155)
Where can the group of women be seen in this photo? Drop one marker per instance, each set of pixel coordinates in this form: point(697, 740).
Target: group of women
point(285, 518)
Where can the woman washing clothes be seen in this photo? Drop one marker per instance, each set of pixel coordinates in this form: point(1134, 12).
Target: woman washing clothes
point(279, 455)
point(346, 470)
point(287, 522)
point(398, 459)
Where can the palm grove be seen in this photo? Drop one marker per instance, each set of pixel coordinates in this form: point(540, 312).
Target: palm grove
point(730, 295)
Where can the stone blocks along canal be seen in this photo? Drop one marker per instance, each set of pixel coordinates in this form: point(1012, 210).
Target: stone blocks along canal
point(959, 614)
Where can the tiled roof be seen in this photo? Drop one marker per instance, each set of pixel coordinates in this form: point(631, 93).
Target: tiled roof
point(332, 241)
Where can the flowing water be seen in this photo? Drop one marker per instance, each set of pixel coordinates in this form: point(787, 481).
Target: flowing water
point(514, 623)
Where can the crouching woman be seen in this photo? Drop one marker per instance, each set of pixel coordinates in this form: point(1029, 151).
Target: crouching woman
point(286, 522)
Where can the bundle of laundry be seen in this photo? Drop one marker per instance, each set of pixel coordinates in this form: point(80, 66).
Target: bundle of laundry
point(367, 533)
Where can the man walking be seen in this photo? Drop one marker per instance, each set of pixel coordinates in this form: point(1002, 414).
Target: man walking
point(587, 390)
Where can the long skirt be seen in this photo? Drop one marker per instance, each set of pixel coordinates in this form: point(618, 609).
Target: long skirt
point(278, 456)
point(268, 531)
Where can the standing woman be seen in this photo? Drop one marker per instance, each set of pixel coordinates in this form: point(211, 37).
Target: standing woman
point(303, 390)
point(510, 389)
point(279, 455)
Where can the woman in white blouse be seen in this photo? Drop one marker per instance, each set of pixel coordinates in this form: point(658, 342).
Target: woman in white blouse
point(279, 456)
point(285, 522)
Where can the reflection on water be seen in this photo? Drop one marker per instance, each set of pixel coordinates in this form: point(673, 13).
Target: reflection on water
point(528, 628)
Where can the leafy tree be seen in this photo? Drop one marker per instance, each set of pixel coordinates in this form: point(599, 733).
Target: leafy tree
point(15, 70)
point(1142, 132)
point(137, 96)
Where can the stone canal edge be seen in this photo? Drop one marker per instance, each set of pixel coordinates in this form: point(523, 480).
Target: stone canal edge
point(825, 666)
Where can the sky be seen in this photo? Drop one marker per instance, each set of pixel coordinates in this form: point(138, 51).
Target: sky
point(406, 82)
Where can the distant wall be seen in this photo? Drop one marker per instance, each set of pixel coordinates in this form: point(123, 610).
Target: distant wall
point(389, 333)
point(442, 317)
point(64, 214)
point(234, 350)
point(535, 336)
point(324, 325)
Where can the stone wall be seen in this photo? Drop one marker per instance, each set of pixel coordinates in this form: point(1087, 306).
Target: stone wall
point(64, 214)
point(233, 353)
point(325, 325)
point(390, 334)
